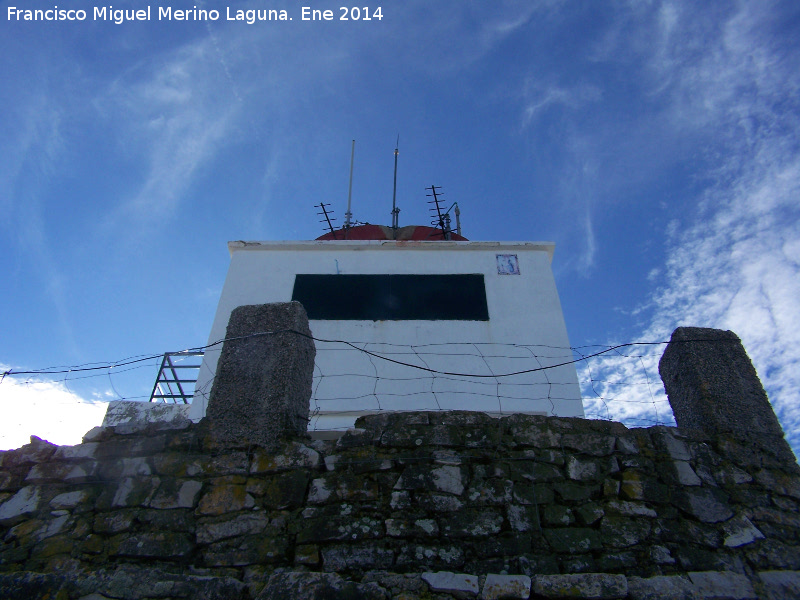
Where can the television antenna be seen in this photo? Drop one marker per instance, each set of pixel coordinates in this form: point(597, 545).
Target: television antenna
point(328, 218)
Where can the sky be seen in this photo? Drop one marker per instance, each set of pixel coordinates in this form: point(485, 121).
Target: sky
point(655, 142)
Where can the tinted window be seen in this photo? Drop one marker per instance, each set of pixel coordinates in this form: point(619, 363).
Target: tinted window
point(392, 297)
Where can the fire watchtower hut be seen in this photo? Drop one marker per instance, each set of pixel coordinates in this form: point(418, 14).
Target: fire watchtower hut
point(465, 325)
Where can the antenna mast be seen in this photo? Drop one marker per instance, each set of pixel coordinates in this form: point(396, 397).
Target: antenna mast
point(328, 218)
point(441, 220)
point(348, 215)
point(395, 210)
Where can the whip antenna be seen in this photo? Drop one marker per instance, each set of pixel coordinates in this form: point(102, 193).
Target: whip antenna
point(348, 215)
point(395, 210)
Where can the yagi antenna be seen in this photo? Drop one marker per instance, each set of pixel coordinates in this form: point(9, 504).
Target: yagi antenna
point(395, 210)
point(327, 218)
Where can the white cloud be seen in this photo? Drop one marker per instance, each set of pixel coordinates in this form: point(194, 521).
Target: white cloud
point(175, 119)
point(735, 266)
point(539, 98)
point(45, 409)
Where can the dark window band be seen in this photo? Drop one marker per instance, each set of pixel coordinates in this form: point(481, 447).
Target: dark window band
point(392, 297)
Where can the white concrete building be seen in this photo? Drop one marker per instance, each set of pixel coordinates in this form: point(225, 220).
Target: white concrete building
point(412, 324)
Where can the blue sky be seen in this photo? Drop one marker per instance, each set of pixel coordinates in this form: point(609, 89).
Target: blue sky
point(656, 142)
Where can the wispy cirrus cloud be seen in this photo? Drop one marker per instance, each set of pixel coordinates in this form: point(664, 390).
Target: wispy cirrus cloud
point(175, 119)
point(538, 98)
point(735, 263)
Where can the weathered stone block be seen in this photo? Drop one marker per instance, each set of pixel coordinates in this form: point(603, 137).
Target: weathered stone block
point(616, 561)
point(712, 386)
point(178, 464)
point(452, 583)
point(317, 585)
point(706, 504)
point(414, 556)
point(490, 492)
point(411, 527)
point(661, 588)
point(132, 417)
point(670, 445)
point(557, 515)
point(739, 531)
point(446, 478)
point(776, 481)
point(632, 484)
point(595, 586)
point(307, 555)
point(471, 523)
point(114, 522)
point(593, 444)
point(348, 558)
point(630, 509)
point(506, 586)
point(262, 387)
point(37, 451)
point(78, 452)
point(573, 540)
point(209, 532)
point(622, 532)
point(505, 544)
point(22, 503)
point(291, 456)
point(535, 472)
point(660, 555)
point(153, 545)
point(589, 514)
point(69, 499)
point(532, 493)
point(131, 491)
point(584, 563)
point(246, 550)
point(589, 470)
point(53, 546)
point(684, 474)
point(731, 475)
point(780, 585)
point(532, 430)
point(341, 528)
point(130, 447)
point(574, 492)
point(355, 438)
point(223, 498)
point(773, 554)
point(286, 491)
point(58, 472)
point(175, 493)
point(439, 503)
point(523, 518)
point(715, 584)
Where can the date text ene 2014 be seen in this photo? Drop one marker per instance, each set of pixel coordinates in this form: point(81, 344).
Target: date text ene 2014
point(354, 13)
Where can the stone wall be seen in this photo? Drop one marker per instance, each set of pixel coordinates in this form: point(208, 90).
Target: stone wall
point(435, 505)
point(428, 505)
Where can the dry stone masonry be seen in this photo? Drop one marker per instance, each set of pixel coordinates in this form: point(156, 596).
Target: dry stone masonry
point(433, 505)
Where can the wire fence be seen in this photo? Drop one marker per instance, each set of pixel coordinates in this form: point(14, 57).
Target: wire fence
point(614, 382)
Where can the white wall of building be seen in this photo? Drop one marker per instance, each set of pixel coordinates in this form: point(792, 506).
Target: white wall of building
point(525, 331)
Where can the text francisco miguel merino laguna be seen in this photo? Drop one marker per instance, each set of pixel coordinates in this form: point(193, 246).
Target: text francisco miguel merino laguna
point(167, 13)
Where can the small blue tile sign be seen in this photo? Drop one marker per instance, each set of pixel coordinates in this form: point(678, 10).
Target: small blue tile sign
point(507, 264)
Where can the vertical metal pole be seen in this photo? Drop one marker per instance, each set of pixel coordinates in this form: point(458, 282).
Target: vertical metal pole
point(349, 214)
point(458, 220)
point(395, 210)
